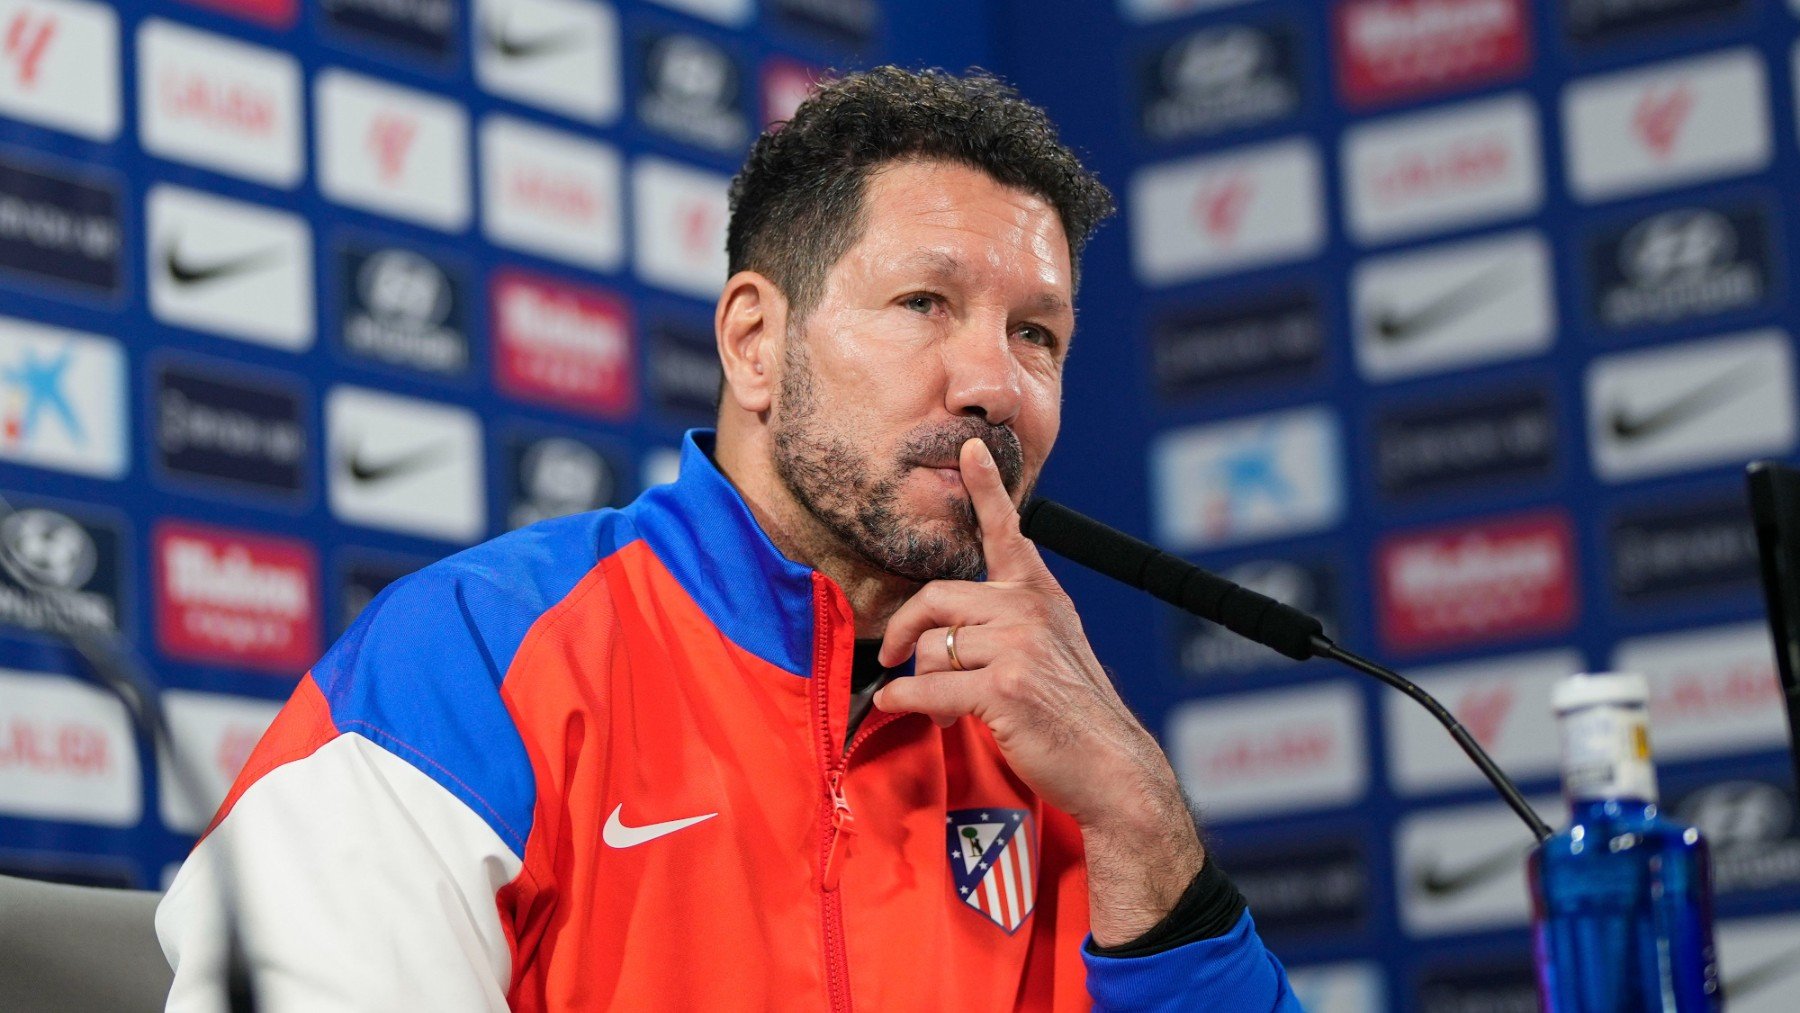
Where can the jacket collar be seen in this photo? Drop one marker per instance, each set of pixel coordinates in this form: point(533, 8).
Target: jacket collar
point(704, 533)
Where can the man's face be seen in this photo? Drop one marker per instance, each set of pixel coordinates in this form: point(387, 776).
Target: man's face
point(949, 319)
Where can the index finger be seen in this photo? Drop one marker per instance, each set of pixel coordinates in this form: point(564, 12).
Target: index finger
point(1009, 555)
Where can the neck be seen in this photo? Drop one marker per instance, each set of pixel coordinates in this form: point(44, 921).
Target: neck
point(874, 595)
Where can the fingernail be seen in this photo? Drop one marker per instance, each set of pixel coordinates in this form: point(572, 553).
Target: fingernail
point(986, 454)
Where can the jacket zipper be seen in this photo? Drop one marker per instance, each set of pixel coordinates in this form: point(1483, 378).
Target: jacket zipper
point(836, 832)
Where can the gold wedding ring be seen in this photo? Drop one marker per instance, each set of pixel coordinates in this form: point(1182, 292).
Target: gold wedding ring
point(950, 649)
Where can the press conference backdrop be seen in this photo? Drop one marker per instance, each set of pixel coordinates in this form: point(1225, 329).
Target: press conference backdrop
point(1451, 320)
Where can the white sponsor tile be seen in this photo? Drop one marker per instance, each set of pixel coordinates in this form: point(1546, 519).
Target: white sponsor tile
point(1248, 479)
point(552, 193)
point(1659, 126)
point(1713, 691)
point(1448, 167)
point(59, 65)
point(1244, 208)
point(214, 734)
point(1453, 305)
point(1258, 754)
point(1503, 702)
point(1349, 987)
point(680, 215)
point(67, 752)
point(63, 400)
point(405, 465)
point(392, 150)
point(1759, 962)
point(1720, 400)
point(226, 267)
point(725, 12)
point(560, 55)
point(219, 103)
point(1462, 869)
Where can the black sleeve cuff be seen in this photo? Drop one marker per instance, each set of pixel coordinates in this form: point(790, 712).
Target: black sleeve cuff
point(1208, 908)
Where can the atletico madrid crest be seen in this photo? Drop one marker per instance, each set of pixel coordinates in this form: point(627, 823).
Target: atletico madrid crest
point(993, 862)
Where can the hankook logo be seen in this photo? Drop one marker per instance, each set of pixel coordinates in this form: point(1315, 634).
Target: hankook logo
point(554, 476)
point(1205, 650)
point(1749, 826)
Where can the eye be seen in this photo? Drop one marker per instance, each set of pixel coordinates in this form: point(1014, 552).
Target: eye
point(921, 302)
point(1037, 335)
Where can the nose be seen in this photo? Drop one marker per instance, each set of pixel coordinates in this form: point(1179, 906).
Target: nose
point(982, 373)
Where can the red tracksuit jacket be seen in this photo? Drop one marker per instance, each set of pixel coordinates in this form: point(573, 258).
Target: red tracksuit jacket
point(600, 763)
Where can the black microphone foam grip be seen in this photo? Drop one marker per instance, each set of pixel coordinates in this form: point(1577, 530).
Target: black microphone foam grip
point(1081, 539)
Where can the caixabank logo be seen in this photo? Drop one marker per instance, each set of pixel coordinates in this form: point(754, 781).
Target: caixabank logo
point(63, 400)
point(1489, 580)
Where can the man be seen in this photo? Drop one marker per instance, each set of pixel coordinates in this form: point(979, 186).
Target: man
point(628, 759)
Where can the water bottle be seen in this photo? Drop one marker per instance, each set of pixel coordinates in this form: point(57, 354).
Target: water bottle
point(1622, 896)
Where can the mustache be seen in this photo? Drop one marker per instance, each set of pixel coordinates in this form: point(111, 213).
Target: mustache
point(944, 443)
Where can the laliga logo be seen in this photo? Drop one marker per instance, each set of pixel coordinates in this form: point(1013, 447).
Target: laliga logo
point(1660, 115)
point(699, 230)
point(1219, 207)
point(1484, 711)
point(26, 40)
point(390, 139)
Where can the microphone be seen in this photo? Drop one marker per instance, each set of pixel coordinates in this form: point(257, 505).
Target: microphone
point(1257, 617)
point(117, 667)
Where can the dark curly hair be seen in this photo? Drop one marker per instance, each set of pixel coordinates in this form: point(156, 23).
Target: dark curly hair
point(797, 204)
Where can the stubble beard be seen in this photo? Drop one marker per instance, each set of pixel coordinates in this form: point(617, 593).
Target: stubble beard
point(858, 500)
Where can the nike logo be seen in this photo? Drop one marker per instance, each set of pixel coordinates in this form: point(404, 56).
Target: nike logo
point(1630, 425)
point(186, 272)
point(1756, 978)
point(1392, 326)
point(520, 49)
point(617, 835)
point(1435, 881)
point(366, 471)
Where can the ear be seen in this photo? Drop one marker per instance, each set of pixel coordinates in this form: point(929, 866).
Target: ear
point(749, 322)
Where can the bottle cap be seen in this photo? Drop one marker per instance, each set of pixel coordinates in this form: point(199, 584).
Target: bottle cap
point(1616, 689)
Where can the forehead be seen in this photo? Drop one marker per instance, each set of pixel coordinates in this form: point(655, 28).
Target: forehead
point(944, 215)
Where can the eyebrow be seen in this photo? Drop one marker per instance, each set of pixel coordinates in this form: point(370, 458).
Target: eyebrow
point(947, 266)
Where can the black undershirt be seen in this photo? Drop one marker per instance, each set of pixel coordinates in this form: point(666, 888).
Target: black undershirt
point(1208, 908)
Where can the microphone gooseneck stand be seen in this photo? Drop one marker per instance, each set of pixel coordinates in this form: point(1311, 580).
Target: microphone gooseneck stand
point(1279, 627)
point(119, 670)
